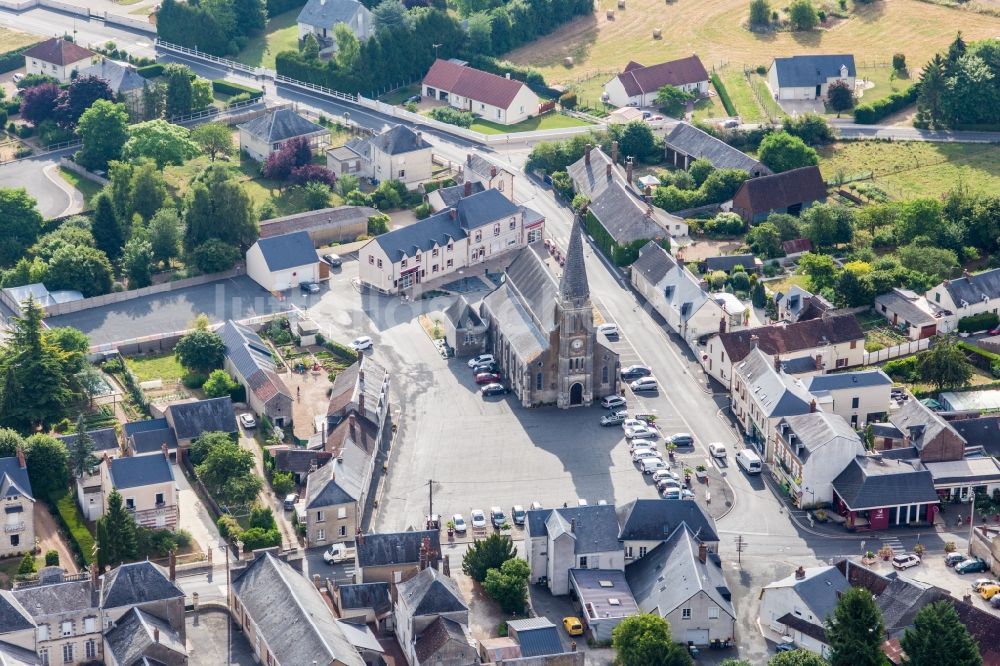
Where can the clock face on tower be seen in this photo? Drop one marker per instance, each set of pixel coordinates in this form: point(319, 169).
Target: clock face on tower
point(577, 344)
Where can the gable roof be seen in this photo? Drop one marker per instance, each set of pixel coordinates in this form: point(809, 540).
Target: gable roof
point(437, 635)
point(820, 588)
point(655, 519)
point(58, 51)
point(483, 167)
point(191, 419)
point(983, 431)
point(818, 430)
point(452, 195)
point(687, 139)
point(808, 628)
point(366, 595)
point(653, 263)
point(342, 480)
point(312, 220)
point(252, 359)
point(779, 394)
point(103, 439)
point(298, 461)
point(391, 548)
point(806, 71)
point(797, 245)
point(897, 301)
point(291, 615)
point(430, 592)
point(922, 424)
point(281, 124)
point(871, 483)
point(139, 471)
point(288, 251)
point(974, 288)
point(398, 140)
point(56, 597)
point(594, 528)
point(120, 78)
point(473, 83)
point(461, 315)
point(637, 79)
point(13, 616)
point(786, 338)
point(14, 655)
point(152, 441)
point(727, 262)
point(137, 583)
point(536, 636)
point(328, 13)
point(139, 636)
point(14, 479)
point(902, 599)
point(781, 190)
point(847, 380)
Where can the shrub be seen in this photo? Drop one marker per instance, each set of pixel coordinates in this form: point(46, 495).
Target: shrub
point(150, 71)
point(257, 537)
point(422, 211)
point(871, 113)
point(52, 558)
point(81, 540)
point(568, 100)
point(11, 60)
point(903, 369)
point(978, 322)
point(194, 380)
point(282, 483)
point(723, 94)
point(228, 526)
point(899, 62)
point(452, 116)
point(229, 88)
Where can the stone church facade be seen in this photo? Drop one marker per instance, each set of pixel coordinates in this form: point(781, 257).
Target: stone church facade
point(541, 330)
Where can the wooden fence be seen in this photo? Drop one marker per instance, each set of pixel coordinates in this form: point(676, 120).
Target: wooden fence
point(898, 351)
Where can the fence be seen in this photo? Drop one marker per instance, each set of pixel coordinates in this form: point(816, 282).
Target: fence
point(279, 78)
point(162, 341)
point(897, 351)
point(130, 23)
point(225, 62)
point(76, 168)
point(213, 111)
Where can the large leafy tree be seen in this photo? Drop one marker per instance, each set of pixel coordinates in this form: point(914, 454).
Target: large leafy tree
point(828, 224)
point(672, 100)
point(802, 15)
point(229, 474)
point(38, 103)
point(214, 139)
point(214, 256)
point(486, 554)
point(854, 631)
point(85, 269)
point(508, 585)
point(390, 15)
point(103, 130)
point(200, 350)
point(161, 141)
point(79, 96)
point(147, 189)
point(116, 534)
point(348, 47)
point(107, 231)
point(645, 640)
point(944, 365)
point(218, 207)
point(165, 235)
point(933, 91)
point(10, 442)
point(82, 460)
point(760, 13)
point(180, 92)
point(635, 139)
point(20, 224)
point(939, 637)
point(765, 240)
point(48, 465)
point(204, 443)
point(780, 151)
point(840, 96)
point(137, 262)
point(73, 231)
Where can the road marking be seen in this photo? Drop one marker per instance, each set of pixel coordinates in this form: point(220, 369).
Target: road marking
point(75, 196)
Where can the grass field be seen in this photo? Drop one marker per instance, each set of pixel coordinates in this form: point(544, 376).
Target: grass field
point(714, 30)
point(147, 368)
point(14, 39)
point(709, 107)
point(88, 188)
point(885, 83)
point(786, 283)
point(282, 35)
point(913, 169)
point(401, 95)
point(544, 122)
point(739, 92)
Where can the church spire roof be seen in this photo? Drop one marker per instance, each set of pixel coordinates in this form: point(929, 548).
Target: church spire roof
point(573, 285)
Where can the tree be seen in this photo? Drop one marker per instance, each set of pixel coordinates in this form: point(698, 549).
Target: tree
point(201, 94)
point(147, 189)
point(346, 184)
point(20, 224)
point(214, 139)
point(250, 16)
point(116, 534)
point(52, 558)
point(760, 13)
point(214, 256)
point(854, 631)
point(635, 139)
point(315, 195)
point(48, 465)
point(72, 342)
point(282, 483)
point(812, 128)
point(108, 236)
point(802, 15)
point(229, 474)
point(839, 96)
point(827, 225)
point(165, 235)
point(932, 94)
point(348, 47)
point(945, 366)
point(645, 640)
point(218, 206)
point(486, 554)
point(699, 170)
point(722, 184)
point(787, 225)
point(780, 151)
point(936, 261)
point(200, 351)
point(672, 100)
point(390, 15)
point(765, 240)
point(899, 63)
point(154, 100)
point(939, 637)
point(73, 232)
point(480, 32)
point(82, 460)
point(10, 442)
point(79, 96)
point(85, 269)
point(204, 443)
point(38, 103)
point(218, 384)
point(313, 173)
point(103, 130)
point(161, 141)
point(758, 295)
point(310, 47)
point(508, 585)
point(798, 657)
point(27, 565)
point(179, 93)
point(137, 263)
point(820, 268)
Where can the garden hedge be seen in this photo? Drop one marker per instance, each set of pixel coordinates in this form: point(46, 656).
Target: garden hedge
point(275, 7)
point(228, 88)
point(81, 540)
point(869, 114)
point(723, 94)
point(978, 322)
point(150, 71)
point(11, 60)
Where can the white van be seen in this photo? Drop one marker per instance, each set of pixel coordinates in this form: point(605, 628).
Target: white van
point(749, 461)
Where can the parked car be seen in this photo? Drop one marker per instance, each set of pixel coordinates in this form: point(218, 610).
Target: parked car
point(460, 526)
point(663, 484)
point(612, 402)
point(989, 591)
point(995, 601)
point(681, 439)
point(633, 423)
point(640, 432)
point(951, 559)
point(633, 372)
point(971, 566)
point(334, 260)
point(677, 493)
point(980, 583)
point(994, 331)
point(497, 517)
point(717, 449)
point(493, 389)
point(644, 384)
point(361, 344)
point(290, 501)
point(479, 360)
point(608, 330)
point(616, 418)
point(309, 287)
point(573, 626)
point(487, 378)
point(247, 420)
point(478, 518)
point(781, 647)
point(485, 367)
point(338, 553)
point(518, 514)
point(664, 474)
point(651, 465)
point(642, 454)
point(17, 77)
point(413, 98)
point(905, 561)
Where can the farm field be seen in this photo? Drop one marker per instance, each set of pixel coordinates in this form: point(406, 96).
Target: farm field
point(15, 39)
point(713, 29)
point(913, 169)
point(282, 34)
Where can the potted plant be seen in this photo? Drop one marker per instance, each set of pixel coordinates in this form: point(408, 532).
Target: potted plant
point(918, 550)
point(949, 547)
point(820, 515)
point(885, 553)
point(687, 475)
point(451, 529)
point(671, 447)
point(869, 557)
point(701, 472)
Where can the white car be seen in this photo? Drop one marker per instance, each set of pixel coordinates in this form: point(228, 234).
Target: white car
point(248, 421)
point(459, 521)
point(644, 384)
point(642, 454)
point(640, 432)
point(612, 402)
point(608, 330)
point(905, 561)
point(478, 518)
point(651, 465)
point(481, 359)
point(665, 474)
point(338, 553)
point(663, 484)
point(631, 423)
point(717, 449)
point(362, 343)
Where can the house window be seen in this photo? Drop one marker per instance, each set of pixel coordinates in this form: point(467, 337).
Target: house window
point(481, 106)
point(15, 540)
point(321, 534)
point(43, 655)
point(642, 551)
point(320, 516)
point(450, 263)
point(434, 268)
point(685, 613)
point(91, 649)
point(855, 402)
point(371, 259)
point(451, 246)
point(538, 386)
point(479, 236)
point(534, 234)
point(496, 229)
point(500, 186)
point(67, 628)
point(513, 224)
point(854, 344)
point(68, 653)
point(418, 258)
point(713, 613)
point(89, 625)
point(604, 375)
point(499, 115)
point(434, 252)
point(841, 362)
point(130, 503)
point(403, 263)
point(160, 500)
point(343, 530)
point(43, 632)
point(380, 263)
point(628, 552)
point(402, 173)
point(583, 562)
point(937, 297)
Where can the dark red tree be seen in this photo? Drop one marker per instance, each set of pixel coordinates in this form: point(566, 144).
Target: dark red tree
point(38, 103)
point(279, 164)
point(77, 98)
point(313, 173)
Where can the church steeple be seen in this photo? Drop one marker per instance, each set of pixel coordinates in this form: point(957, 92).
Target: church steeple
point(573, 286)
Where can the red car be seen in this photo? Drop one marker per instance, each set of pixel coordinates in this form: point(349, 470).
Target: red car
point(487, 378)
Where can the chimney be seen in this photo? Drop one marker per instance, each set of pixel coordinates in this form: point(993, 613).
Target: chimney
point(649, 190)
point(468, 159)
point(156, 634)
point(649, 212)
point(572, 526)
point(173, 566)
point(361, 403)
point(614, 152)
point(20, 458)
point(819, 361)
point(93, 575)
point(446, 566)
point(359, 537)
point(800, 573)
point(812, 405)
point(777, 363)
point(586, 154)
point(722, 325)
point(424, 552)
point(609, 169)
point(353, 422)
point(453, 213)
point(628, 170)
point(166, 451)
point(702, 552)
point(468, 189)
point(754, 341)
point(507, 76)
point(967, 276)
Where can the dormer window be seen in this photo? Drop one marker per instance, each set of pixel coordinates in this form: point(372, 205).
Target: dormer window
point(403, 263)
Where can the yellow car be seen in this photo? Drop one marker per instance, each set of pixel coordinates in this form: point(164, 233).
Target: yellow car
point(989, 591)
point(573, 626)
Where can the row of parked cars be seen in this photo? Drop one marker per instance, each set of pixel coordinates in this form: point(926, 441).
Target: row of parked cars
point(963, 565)
point(497, 518)
point(487, 373)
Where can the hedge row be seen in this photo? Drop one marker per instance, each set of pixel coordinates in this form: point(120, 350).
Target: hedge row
point(82, 541)
point(227, 88)
point(869, 114)
point(978, 322)
point(11, 60)
point(150, 71)
point(723, 94)
point(275, 7)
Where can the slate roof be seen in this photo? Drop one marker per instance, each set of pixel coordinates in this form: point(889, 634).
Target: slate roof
point(451, 195)
point(687, 139)
point(804, 626)
point(282, 124)
point(103, 439)
point(328, 13)
point(653, 263)
point(13, 655)
point(573, 284)
point(537, 636)
point(137, 635)
point(399, 140)
point(897, 302)
point(481, 166)
point(983, 431)
point(902, 599)
point(58, 51)
point(728, 262)
point(139, 471)
point(817, 430)
point(152, 441)
point(252, 359)
point(14, 480)
point(887, 430)
point(682, 291)
point(437, 635)
point(846, 380)
point(870, 484)
point(461, 315)
point(473, 83)
point(137, 583)
point(360, 635)
point(430, 592)
point(594, 529)
point(288, 251)
point(781, 190)
point(191, 419)
point(299, 461)
point(342, 480)
point(291, 615)
point(366, 595)
point(919, 422)
point(654, 519)
point(392, 548)
point(313, 220)
point(970, 470)
point(786, 338)
point(806, 71)
point(974, 288)
point(638, 79)
point(819, 589)
point(671, 574)
point(13, 616)
point(119, 77)
point(778, 393)
point(984, 627)
point(56, 598)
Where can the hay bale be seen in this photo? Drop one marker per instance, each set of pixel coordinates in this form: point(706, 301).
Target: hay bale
point(657, 33)
point(568, 61)
point(621, 4)
point(611, 15)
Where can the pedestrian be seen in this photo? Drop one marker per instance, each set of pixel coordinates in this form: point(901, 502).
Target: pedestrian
point(298, 393)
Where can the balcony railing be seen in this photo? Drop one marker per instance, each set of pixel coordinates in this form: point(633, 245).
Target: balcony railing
point(14, 527)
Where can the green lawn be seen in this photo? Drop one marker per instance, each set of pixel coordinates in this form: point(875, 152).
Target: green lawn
point(741, 95)
point(709, 107)
point(548, 121)
point(15, 39)
point(399, 96)
point(148, 368)
point(885, 83)
point(88, 188)
point(771, 107)
point(786, 283)
point(282, 34)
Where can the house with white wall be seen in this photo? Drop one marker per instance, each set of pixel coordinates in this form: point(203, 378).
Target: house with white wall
point(248, 360)
point(646, 523)
point(857, 397)
point(638, 84)
point(799, 604)
point(283, 262)
point(318, 18)
point(579, 537)
point(809, 76)
point(399, 153)
point(58, 58)
point(270, 131)
point(421, 601)
point(498, 99)
point(968, 295)
point(912, 314)
point(19, 506)
point(147, 487)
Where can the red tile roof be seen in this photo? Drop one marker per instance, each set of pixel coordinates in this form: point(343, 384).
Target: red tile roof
point(785, 338)
point(639, 80)
point(58, 51)
point(797, 186)
point(797, 245)
point(472, 83)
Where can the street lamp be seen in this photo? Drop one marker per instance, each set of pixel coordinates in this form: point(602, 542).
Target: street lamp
point(972, 515)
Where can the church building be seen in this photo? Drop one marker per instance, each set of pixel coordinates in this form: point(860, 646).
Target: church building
point(541, 330)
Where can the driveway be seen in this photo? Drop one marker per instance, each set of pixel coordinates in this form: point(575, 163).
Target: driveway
point(40, 177)
point(50, 537)
point(797, 107)
point(194, 515)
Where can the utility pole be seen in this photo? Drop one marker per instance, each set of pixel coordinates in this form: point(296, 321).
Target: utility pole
point(430, 492)
point(741, 545)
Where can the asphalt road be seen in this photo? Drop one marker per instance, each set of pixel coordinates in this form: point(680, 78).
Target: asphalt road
point(40, 177)
point(849, 130)
point(48, 23)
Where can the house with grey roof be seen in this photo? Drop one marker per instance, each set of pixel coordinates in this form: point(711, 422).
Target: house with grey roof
point(393, 557)
point(146, 484)
point(646, 523)
point(446, 197)
point(805, 77)
point(685, 143)
point(793, 304)
point(248, 360)
point(325, 226)
point(683, 583)
point(421, 602)
point(370, 603)
point(536, 636)
point(270, 131)
point(89, 486)
point(934, 438)
point(911, 313)
point(319, 17)
point(19, 506)
point(190, 419)
point(860, 397)
point(579, 537)
point(762, 394)
point(799, 604)
point(464, 330)
point(398, 153)
point(810, 451)
point(483, 172)
point(141, 638)
point(279, 263)
point(287, 617)
point(971, 294)
point(879, 492)
point(481, 227)
point(124, 82)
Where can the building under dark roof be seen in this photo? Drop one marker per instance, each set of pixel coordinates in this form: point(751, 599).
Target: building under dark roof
point(399, 140)
point(281, 125)
point(807, 71)
point(324, 226)
point(138, 471)
point(444, 634)
point(149, 436)
point(685, 143)
point(191, 419)
point(430, 592)
point(473, 84)
point(935, 439)
point(299, 462)
point(121, 78)
point(797, 246)
point(656, 519)
point(537, 636)
point(394, 548)
point(137, 583)
point(139, 638)
point(973, 288)
point(249, 358)
point(58, 51)
point(103, 439)
point(885, 491)
point(365, 595)
point(786, 192)
point(288, 251)
point(594, 528)
point(451, 195)
point(983, 432)
point(780, 339)
point(728, 262)
point(14, 479)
